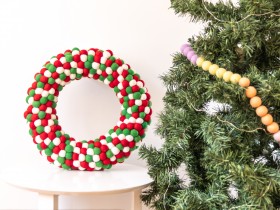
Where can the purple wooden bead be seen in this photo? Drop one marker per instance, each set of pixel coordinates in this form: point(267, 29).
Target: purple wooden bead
point(183, 47)
point(190, 54)
point(186, 50)
point(193, 59)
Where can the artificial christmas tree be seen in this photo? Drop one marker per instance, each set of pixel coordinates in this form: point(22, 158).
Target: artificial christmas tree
point(220, 123)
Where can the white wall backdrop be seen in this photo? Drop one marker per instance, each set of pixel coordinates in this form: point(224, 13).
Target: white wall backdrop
point(144, 33)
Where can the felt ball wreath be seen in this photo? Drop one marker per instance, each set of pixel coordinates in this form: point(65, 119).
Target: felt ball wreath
point(96, 154)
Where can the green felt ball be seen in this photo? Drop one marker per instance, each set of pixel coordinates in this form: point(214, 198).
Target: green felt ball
point(116, 89)
point(48, 152)
point(47, 65)
point(110, 78)
point(99, 164)
point(73, 71)
point(29, 117)
point(129, 77)
point(150, 104)
point(30, 132)
point(58, 134)
point(130, 71)
point(89, 158)
point(126, 131)
point(43, 100)
point(79, 76)
point(120, 160)
point(40, 85)
point(109, 139)
point(96, 151)
point(142, 91)
point(142, 115)
point(114, 66)
point(120, 146)
point(112, 58)
point(91, 146)
point(87, 64)
point(137, 75)
point(64, 166)
point(119, 131)
point(51, 81)
point(62, 76)
point(67, 136)
point(32, 92)
point(75, 48)
point(128, 90)
point(39, 147)
point(38, 76)
point(126, 98)
point(51, 145)
point(69, 58)
point(127, 116)
point(51, 68)
point(41, 114)
point(50, 97)
point(69, 148)
point(27, 98)
point(125, 105)
point(137, 139)
point(144, 125)
point(61, 160)
point(36, 104)
point(101, 78)
point(102, 67)
point(84, 141)
point(69, 155)
point(92, 71)
point(90, 58)
point(55, 121)
point(136, 95)
point(134, 133)
point(107, 166)
point(134, 108)
point(124, 112)
point(40, 129)
point(134, 148)
point(109, 154)
point(60, 87)
point(111, 131)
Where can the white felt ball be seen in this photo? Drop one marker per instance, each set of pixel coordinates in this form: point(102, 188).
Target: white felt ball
point(30, 100)
point(62, 60)
point(119, 95)
point(115, 150)
point(85, 145)
point(138, 102)
point(56, 163)
point(91, 164)
point(49, 110)
point(119, 122)
point(90, 75)
point(103, 60)
point(96, 158)
point(120, 86)
point(110, 145)
point(47, 141)
point(67, 72)
point(97, 168)
point(56, 141)
point(47, 129)
point(113, 158)
point(129, 138)
point(55, 99)
point(129, 110)
point(106, 54)
point(54, 156)
point(140, 84)
point(120, 70)
point(95, 65)
point(39, 90)
point(63, 83)
point(79, 71)
point(120, 78)
point(132, 82)
point(76, 163)
point(138, 144)
point(109, 70)
point(82, 157)
point(121, 137)
point(47, 74)
point(75, 52)
point(45, 93)
point(38, 139)
point(99, 72)
point(132, 120)
point(114, 135)
point(72, 76)
point(130, 96)
point(147, 110)
point(103, 142)
point(35, 110)
point(125, 66)
point(126, 121)
point(59, 70)
point(143, 97)
point(139, 120)
point(58, 81)
point(73, 64)
point(106, 81)
point(90, 151)
point(50, 122)
point(81, 168)
point(91, 52)
point(62, 153)
point(83, 57)
point(52, 60)
point(126, 149)
point(73, 143)
point(37, 122)
point(77, 150)
point(53, 117)
point(52, 91)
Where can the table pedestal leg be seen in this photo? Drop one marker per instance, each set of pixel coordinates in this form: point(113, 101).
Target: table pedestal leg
point(47, 202)
point(136, 203)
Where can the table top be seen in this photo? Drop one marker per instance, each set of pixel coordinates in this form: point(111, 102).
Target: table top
point(49, 179)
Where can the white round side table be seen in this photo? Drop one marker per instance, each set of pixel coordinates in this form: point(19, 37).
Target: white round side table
point(50, 182)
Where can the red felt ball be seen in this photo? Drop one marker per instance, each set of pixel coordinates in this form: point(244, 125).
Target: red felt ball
point(97, 58)
point(48, 116)
point(135, 115)
point(67, 51)
point(62, 146)
point(119, 62)
point(116, 141)
point(25, 114)
point(99, 53)
point(102, 156)
point(145, 103)
point(114, 162)
point(85, 72)
point(80, 65)
point(56, 93)
point(124, 143)
point(104, 74)
point(50, 159)
point(76, 58)
point(47, 87)
point(123, 92)
point(67, 65)
point(84, 151)
point(138, 127)
point(37, 97)
point(51, 135)
point(75, 156)
point(115, 74)
point(79, 144)
point(135, 77)
point(148, 96)
point(127, 154)
point(67, 79)
point(124, 74)
point(122, 118)
point(44, 79)
point(57, 64)
point(55, 75)
point(34, 85)
point(131, 144)
point(97, 144)
point(43, 145)
point(147, 118)
point(123, 126)
point(96, 76)
point(104, 148)
point(31, 125)
point(106, 161)
point(59, 56)
point(90, 142)
point(84, 164)
point(43, 107)
point(130, 126)
point(131, 102)
point(56, 150)
point(44, 122)
point(135, 88)
point(125, 84)
point(141, 108)
point(83, 52)
point(121, 100)
point(42, 71)
point(49, 104)
point(119, 155)
point(102, 137)
point(108, 63)
point(34, 117)
point(110, 51)
point(116, 128)
point(69, 162)
point(141, 132)
point(29, 109)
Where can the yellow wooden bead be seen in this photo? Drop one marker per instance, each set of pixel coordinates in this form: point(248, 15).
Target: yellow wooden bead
point(227, 75)
point(205, 65)
point(213, 69)
point(235, 78)
point(220, 72)
point(199, 61)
